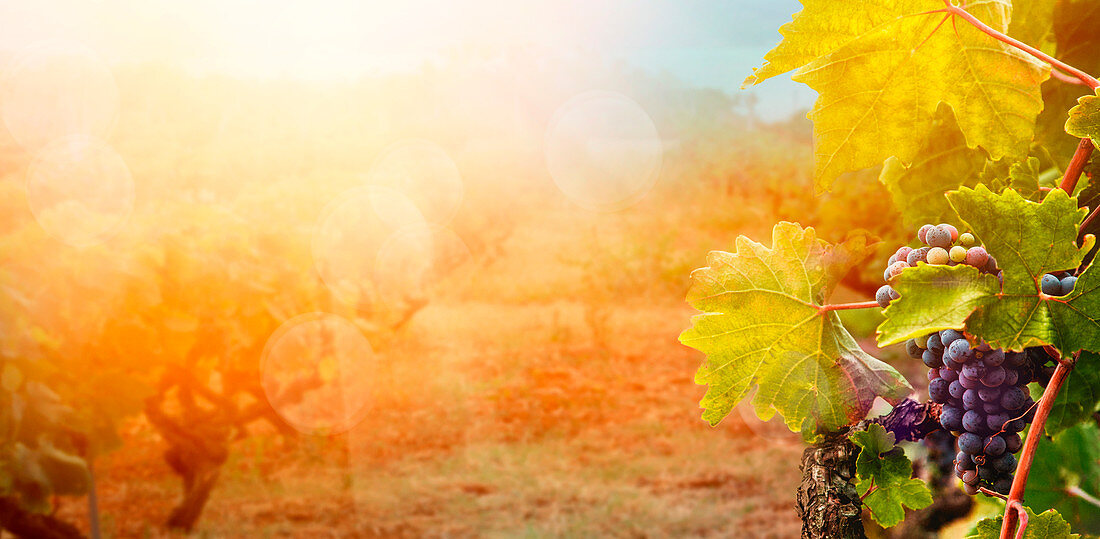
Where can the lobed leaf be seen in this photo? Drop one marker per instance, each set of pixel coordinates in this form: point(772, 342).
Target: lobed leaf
point(1084, 119)
point(1046, 525)
point(886, 66)
point(934, 298)
point(886, 469)
point(761, 326)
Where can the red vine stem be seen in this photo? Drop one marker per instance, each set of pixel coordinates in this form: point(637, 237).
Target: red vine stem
point(1016, 508)
point(847, 306)
point(1077, 165)
point(1089, 80)
point(1027, 455)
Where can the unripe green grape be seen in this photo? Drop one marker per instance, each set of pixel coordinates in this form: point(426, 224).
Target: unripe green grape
point(966, 239)
point(937, 256)
point(957, 253)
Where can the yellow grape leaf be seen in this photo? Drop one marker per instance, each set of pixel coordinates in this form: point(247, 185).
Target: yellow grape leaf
point(882, 75)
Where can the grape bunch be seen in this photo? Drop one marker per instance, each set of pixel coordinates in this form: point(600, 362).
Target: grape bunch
point(985, 401)
point(943, 246)
point(983, 391)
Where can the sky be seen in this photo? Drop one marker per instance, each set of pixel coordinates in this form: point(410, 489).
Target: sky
point(707, 43)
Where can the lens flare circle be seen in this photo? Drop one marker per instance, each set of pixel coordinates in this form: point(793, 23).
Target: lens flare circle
point(603, 151)
point(350, 233)
point(423, 171)
point(80, 190)
point(416, 258)
point(317, 371)
point(56, 89)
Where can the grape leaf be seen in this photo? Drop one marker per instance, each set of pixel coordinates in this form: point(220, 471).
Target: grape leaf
point(1028, 239)
point(1079, 397)
point(1046, 525)
point(934, 298)
point(761, 326)
point(1071, 460)
point(1024, 177)
point(943, 163)
point(888, 471)
point(1084, 119)
point(884, 70)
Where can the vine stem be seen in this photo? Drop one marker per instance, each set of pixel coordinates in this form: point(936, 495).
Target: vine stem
point(1027, 455)
point(1077, 165)
point(958, 11)
point(847, 306)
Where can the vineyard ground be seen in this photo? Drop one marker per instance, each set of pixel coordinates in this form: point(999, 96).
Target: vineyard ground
point(576, 441)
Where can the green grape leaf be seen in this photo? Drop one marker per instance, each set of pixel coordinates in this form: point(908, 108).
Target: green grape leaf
point(934, 298)
point(761, 326)
point(943, 163)
point(1046, 525)
point(885, 69)
point(1028, 239)
point(885, 469)
point(1068, 463)
point(1079, 397)
point(1084, 119)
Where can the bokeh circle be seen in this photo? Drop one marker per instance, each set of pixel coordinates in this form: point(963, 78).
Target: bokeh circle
point(80, 190)
point(56, 89)
point(603, 151)
point(350, 232)
point(317, 371)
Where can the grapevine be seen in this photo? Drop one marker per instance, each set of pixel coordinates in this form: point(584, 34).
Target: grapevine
point(998, 300)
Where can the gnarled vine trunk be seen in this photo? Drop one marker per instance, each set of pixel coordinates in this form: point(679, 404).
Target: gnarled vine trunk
point(828, 503)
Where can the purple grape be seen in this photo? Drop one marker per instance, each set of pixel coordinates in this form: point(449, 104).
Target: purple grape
point(973, 421)
point(956, 389)
point(989, 394)
point(994, 358)
point(971, 400)
point(970, 443)
point(930, 359)
point(968, 382)
point(994, 376)
point(949, 374)
point(951, 418)
point(937, 390)
point(996, 422)
point(1013, 398)
point(994, 446)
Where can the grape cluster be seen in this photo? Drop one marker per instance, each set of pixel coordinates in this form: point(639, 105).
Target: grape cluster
point(985, 400)
point(983, 391)
point(943, 246)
